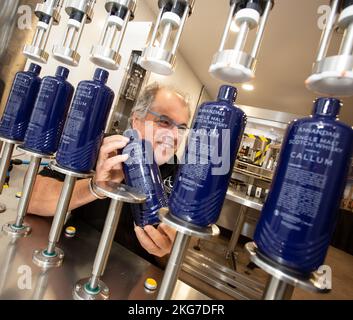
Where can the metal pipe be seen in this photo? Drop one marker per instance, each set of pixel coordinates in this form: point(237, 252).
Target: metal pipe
point(238, 226)
point(79, 32)
point(277, 290)
point(166, 33)
point(326, 36)
point(121, 35)
point(105, 243)
point(174, 264)
point(5, 162)
point(242, 36)
point(27, 190)
point(261, 30)
point(181, 27)
point(226, 30)
point(155, 30)
point(347, 42)
point(60, 213)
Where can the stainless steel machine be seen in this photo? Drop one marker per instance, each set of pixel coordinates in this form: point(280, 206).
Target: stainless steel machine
point(48, 14)
point(235, 65)
point(93, 288)
point(160, 54)
point(80, 13)
point(333, 75)
point(106, 53)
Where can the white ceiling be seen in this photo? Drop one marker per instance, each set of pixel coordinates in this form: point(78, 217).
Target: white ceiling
point(287, 53)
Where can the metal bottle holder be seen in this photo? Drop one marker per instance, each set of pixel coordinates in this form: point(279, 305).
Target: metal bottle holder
point(184, 233)
point(80, 13)
point(93, 288)
point(333, 75)
point(281, 283)
point(53, 256)
point(7, 151)
point(160, 55)
point(48, 14)
point(18, 228)
point(235, 65)
point(106, 53)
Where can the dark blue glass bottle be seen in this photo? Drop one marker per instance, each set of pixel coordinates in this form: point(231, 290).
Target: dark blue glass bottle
point(141, 172)
point(84, 127)
point(49, 113)
point(20, 103)
point(298, 218)
point(201, 183)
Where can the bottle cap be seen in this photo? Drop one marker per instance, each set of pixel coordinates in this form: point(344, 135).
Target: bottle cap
point(151, 284)
point(101, 75)
point(35, 68)
point(132, 134)
point(70, 231)
point(327, 107)
point(62, 72)
point(227, 93)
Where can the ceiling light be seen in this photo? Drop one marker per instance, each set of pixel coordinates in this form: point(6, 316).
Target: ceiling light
point(248, 87)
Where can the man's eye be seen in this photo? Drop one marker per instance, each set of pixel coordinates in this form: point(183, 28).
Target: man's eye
point(164, 123)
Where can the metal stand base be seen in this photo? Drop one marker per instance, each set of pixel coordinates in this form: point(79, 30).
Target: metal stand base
point(35, 154)
point(17, 232)
point(184, 232)
point(187, 228)
point(282, 280)
point(53, 256)
point(45, 261)
point(82, 291)
point(93, 288)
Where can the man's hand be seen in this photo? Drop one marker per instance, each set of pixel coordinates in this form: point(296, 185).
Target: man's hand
point(158, 241)
point(109, 163)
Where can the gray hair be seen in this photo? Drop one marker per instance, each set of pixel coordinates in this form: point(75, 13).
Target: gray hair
point(147, 97)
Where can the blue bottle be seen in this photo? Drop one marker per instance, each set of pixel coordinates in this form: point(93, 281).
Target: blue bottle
point(298, 218)
point(49, 113)
point(142, 172)
point(202, 182)
point(20, 104)
point(84, 127)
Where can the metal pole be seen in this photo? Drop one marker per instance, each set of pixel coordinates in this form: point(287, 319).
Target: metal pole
point(326, 36)
point(277, 290)
point(5, 162)
point(60, 213)
point(261, 30)
point(105, 243)
point(242, 36)
point(227, 27)
point(347, 42)
point(27, 190)
point(238, 226)
point(174, 264)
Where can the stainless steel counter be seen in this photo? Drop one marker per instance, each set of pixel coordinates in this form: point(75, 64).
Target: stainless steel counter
point(125, 273)
point(244, 200)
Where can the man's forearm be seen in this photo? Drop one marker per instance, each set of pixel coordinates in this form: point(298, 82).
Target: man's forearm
point(81, 195)
point(52, 188)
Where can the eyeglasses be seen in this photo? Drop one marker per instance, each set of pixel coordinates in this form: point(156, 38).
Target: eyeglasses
point(165, 122)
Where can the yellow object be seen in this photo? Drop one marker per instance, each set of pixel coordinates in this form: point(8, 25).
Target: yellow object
point(70, 231)
point(151, 284)
point(19, 194)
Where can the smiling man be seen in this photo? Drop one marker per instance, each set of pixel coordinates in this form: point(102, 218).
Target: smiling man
point(161, 116)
